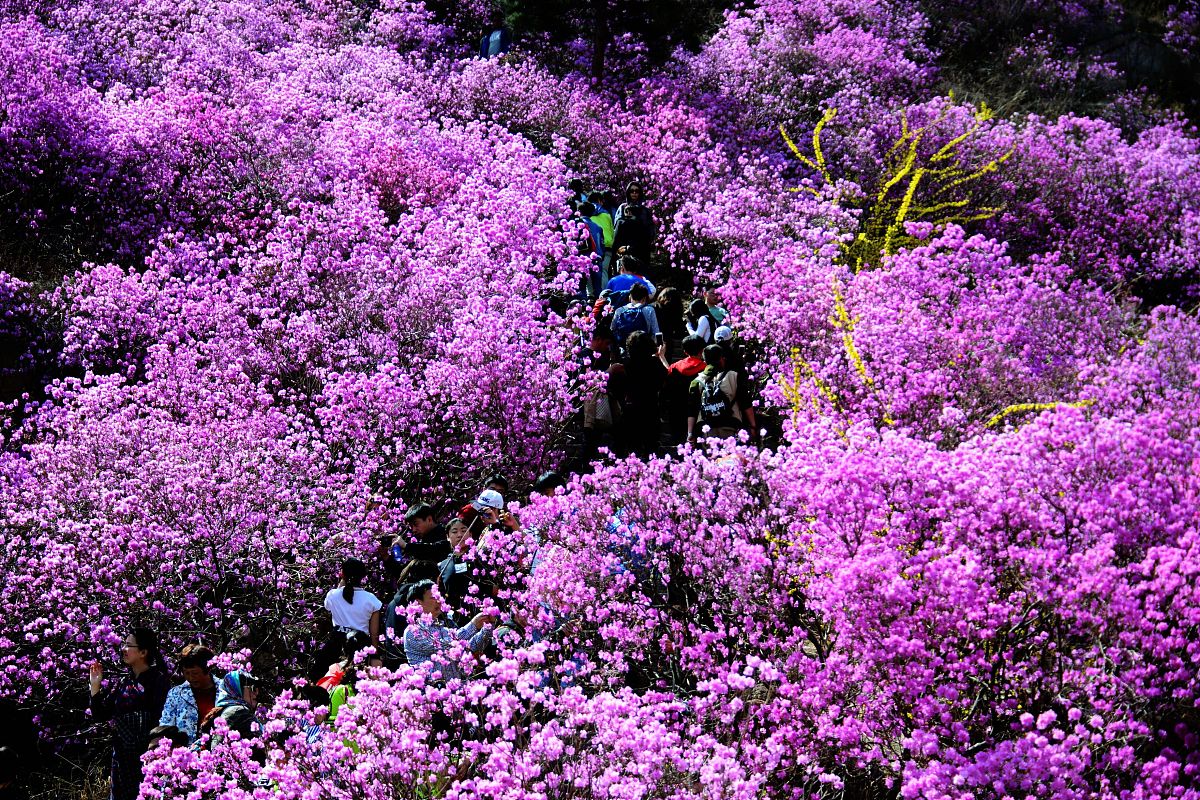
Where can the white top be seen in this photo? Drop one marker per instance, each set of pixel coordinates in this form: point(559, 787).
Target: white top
point(356, 616)
point(702, 328)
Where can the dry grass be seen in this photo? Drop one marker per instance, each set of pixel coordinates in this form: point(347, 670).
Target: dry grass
point(63, 779)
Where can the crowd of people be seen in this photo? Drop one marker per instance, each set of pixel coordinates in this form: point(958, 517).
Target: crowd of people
point(675, 368)
point(673, 373)
point(143, 707)
point(429, 571)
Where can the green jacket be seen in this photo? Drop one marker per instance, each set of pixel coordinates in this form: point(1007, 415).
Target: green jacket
point(606, 226)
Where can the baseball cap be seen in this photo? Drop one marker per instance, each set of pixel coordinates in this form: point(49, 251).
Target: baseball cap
point(488, 498)
point(723, 333)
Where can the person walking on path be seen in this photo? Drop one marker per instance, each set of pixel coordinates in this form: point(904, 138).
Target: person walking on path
point(634, 230)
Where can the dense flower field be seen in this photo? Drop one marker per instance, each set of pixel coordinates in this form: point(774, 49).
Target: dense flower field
point(274, 269)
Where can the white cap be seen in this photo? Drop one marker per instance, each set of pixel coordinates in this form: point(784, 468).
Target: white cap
point(723, 333)
point(488, 498)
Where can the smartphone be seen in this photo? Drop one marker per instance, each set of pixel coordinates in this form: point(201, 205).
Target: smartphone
point(658, 339)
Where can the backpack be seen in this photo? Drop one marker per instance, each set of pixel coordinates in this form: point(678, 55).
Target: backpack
point(618, 299)
point(627, 320)
point(716, 410)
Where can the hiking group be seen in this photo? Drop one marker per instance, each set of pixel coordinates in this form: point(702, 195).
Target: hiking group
point(675, 370)
point(669, 370)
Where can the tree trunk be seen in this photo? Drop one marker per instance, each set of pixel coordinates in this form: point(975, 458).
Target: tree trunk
point(601, 34)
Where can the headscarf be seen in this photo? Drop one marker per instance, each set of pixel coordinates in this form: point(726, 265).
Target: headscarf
point(230, 690)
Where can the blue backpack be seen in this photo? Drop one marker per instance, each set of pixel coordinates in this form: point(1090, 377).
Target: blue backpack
point(618, 299)
point(627, 320)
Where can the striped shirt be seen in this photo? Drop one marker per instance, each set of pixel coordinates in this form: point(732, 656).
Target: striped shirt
point(425, 642)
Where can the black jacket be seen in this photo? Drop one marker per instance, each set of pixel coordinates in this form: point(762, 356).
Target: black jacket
point(433, 546)
point(456, 579)
point(634, 228)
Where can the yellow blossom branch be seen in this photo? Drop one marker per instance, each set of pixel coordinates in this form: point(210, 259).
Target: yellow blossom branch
point(819, 163)
point(1023, 407)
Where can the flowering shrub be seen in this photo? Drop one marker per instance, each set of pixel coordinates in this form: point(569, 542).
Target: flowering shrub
point(1128, 214)
point(919, 651)
point(61, 171)
point(850, 55)
point(1183, 22)
point(19, 338)
point(953, 333)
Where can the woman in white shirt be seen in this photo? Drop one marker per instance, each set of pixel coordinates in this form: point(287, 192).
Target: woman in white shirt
point(700, 322)
point(352, 607)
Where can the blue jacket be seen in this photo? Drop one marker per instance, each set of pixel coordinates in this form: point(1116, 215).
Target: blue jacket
point(181, 711)
point(621, 284)
point(597, 236)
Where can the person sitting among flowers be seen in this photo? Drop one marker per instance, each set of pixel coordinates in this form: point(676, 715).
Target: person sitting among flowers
point(237, 701)
point(190, 701)
point(341, 678)
point(430, 639)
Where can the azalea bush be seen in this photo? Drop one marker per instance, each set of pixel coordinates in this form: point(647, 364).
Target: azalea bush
point(840, 615)
point(277, 271)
